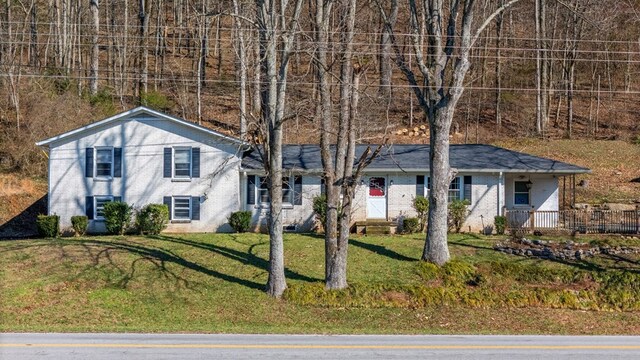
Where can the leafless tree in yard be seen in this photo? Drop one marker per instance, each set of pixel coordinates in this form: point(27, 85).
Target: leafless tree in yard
point(443, 65)
point(338, 152)
point(277, 23)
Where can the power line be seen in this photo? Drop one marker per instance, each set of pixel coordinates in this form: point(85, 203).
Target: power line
point(194, 81)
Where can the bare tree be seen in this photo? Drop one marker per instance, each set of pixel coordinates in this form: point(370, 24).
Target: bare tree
point(95, 31)
point(241, 66)
point(450, 35)
point(143, 51)
point(541, 66)
point(277, 23)
point(498, 82)
point(385, 61)
point(338, 161)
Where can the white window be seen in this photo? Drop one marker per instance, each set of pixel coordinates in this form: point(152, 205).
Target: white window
point(521, 193)
point(182, 162)
point(455, 189)
point(181, 208)
point(98, 207)
point(287, 190)
point(263, 191)
point(104, 162)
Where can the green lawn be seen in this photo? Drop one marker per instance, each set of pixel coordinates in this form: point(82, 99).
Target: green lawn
point(214, 282)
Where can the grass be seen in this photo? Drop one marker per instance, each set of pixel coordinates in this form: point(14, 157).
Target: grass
point(214, 282)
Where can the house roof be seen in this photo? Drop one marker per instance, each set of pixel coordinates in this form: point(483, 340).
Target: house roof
point(137, 112)
point(415, 158)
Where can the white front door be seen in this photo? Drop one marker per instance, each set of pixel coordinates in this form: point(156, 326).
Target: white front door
point(377, 198)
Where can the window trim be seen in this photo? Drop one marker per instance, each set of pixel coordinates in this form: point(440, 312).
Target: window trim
point(459, 189)
point(95, 163)
point(427, 190)
point(285, 204)
point(95, 205)
point(527, 205)
point(173, 209)
point(173, 163)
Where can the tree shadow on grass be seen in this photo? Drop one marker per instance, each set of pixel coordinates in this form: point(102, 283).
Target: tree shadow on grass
point(381, 250)
point(628, 264)
point(247, 258)
point(632, 266)
point(99, 249)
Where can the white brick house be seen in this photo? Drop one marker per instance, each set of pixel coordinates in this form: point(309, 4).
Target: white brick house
point(143, 156)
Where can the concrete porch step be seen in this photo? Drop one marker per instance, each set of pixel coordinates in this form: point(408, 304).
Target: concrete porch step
point(374, 227)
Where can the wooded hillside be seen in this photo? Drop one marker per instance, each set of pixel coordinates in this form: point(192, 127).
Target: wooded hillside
point(543, 68)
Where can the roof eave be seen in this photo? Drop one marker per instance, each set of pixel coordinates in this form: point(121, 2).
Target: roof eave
point(421, 170)
point(133, 112)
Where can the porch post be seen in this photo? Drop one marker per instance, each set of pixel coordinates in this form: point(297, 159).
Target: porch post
point(573, 186)
point(501, 194)
point(637, 219)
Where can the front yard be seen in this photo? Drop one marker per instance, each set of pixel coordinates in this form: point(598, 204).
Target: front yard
point(214, 282)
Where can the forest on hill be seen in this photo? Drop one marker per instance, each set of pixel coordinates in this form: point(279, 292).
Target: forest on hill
point(542, 68)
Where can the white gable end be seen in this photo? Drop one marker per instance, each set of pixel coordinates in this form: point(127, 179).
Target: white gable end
point(144, 139)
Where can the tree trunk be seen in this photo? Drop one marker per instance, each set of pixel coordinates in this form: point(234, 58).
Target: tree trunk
point(539, 95)
point(276, 37)
point(95, 31)
point(241, 68)
point(436, 249)
point(143, 51)
point(498, 84)
point(385, 52)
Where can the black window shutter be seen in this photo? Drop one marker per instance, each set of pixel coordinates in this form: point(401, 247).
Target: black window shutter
point(167, 162)
point(117, 162)
point(251, 189)
point(117, 198)
point(195, 208)
point(428, 182)
point(297, 190)
point(167, 201)
point(420, 185)
point(88, 167)
point(88, 207)
point(467, 188)
point(195, 162)
point(323, 187)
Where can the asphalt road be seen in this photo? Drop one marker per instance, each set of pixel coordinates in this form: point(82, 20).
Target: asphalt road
point(264, 347)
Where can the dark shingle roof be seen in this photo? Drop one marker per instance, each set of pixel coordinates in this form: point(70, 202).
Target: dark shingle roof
point(469, 157)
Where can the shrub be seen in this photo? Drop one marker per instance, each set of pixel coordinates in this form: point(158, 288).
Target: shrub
point(104, 100)
point(457, 214)
point(155, 100)
point(240, 221)
point(320, 209)
point(152, 219)
point(421, 205)
point(500, 223)
point(516, 225)
point(79, 224)
point(48, 225)
point(411, 225)
point(117, 217)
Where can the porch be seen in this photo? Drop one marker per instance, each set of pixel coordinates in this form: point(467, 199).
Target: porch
point(592, 221)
